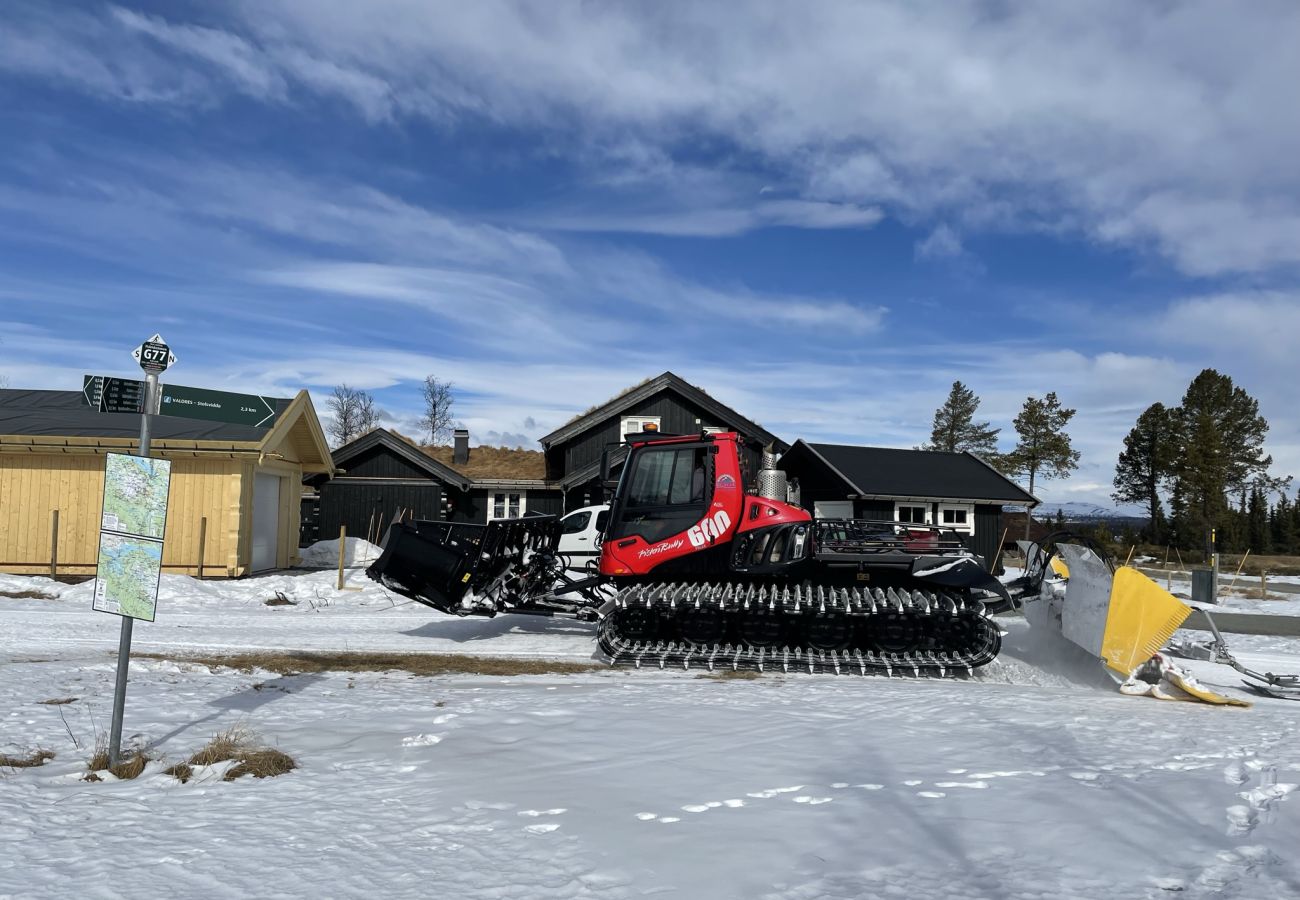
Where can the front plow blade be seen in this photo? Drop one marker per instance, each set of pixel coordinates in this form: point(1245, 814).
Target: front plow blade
point(1122, 619)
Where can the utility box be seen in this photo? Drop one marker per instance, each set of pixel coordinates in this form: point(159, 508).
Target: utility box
point(1204, 587)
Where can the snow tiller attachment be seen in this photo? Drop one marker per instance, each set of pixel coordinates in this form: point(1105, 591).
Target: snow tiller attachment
point(1122, 618)
point(700, 564)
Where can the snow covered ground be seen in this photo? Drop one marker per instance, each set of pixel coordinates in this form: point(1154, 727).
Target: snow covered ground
point(1030, 781)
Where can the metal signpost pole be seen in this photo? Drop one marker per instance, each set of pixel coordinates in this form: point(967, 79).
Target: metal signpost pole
point(124, 642)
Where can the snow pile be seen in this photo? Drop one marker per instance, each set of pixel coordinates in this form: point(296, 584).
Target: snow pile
point(358, 552)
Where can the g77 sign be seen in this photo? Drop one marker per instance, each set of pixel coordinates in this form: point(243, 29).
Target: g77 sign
point(154, 355)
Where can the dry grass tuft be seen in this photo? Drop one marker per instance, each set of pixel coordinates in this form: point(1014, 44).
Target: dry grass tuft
point(59, 701)
point(238, 745)
point(30, 761)
point(223, 746)
point(127, 768)
point(280, 600)
point(264, 762)
point(301, 663)
point(27, 595)
point(732, 675)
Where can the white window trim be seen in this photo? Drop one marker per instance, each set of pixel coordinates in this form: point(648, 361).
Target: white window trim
point(640, 421)
point(929, 511)
point(492, 502)
point(969, 508)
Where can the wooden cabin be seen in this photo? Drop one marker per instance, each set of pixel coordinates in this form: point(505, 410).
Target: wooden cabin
point(234, 497)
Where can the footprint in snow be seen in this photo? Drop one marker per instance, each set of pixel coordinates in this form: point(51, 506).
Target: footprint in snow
point(421, 740)
point(646, 816)
point(913, 782)
point(541, 829)
point(444, 718)
point(973, 785)
point(772, 792)
point(668, 820)
point(534, 813)
point(812, 801)
point(870, 787)
point(931, 795)
point(1090, 779)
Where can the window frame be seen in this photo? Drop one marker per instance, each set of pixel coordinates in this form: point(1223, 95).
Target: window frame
point(641, 422)
point(967, 527)
point(492, 503)
point(899, 505)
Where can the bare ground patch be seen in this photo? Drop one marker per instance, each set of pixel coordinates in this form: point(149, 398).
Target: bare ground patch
point(58, 701)
point(307, 663)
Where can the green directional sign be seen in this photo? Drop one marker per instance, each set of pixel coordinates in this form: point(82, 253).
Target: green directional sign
point(217, 406)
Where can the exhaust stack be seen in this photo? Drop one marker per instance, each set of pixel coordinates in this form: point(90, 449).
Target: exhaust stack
point(771, 480)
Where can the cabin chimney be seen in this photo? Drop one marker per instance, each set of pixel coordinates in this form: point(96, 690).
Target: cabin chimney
point(460, 447)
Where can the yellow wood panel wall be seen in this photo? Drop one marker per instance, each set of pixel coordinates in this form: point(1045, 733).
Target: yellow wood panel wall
point(32, 486)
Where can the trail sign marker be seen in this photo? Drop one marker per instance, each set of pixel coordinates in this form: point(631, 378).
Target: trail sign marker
point(108, 394)
point(218, 406)
point(154, 356)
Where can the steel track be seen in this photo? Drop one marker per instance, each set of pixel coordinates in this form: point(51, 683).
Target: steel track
point(820, 630)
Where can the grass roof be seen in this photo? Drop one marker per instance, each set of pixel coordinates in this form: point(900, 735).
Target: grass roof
point(488, 463)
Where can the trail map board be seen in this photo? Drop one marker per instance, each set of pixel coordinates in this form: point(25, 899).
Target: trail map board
point(131, 535)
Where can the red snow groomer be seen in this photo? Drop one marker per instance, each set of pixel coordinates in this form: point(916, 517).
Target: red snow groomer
point(701, 565)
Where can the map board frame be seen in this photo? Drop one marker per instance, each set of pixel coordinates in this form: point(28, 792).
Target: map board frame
point(129, 530)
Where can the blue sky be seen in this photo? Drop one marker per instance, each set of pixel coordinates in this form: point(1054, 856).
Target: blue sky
point(822, 219)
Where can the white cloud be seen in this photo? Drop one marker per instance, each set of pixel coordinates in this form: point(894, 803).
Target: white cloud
point(942, 243)
point(1162, 126)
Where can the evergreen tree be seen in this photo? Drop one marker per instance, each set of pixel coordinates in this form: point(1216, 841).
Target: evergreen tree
point(1282, 523)
point(1058, 521)
point(1259, 538)
point(1221, 436)
point(955, 429)
point(1044, 448)
point(1145, 463)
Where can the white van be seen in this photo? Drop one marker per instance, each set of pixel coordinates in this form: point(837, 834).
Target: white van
point(580, 537)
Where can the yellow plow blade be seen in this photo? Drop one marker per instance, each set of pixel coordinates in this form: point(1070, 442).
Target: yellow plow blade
point(1143, 617)
point(1121, 619)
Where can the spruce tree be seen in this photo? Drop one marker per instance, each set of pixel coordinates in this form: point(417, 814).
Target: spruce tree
point(1258, 536)
point(1145, 463)
point(1044, 448)
point(955, 429)
point(1221, 436)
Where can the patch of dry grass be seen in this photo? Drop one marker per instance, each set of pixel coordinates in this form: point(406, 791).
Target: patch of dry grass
point(30, 761)
point(494, 462)
point(303, 663)
point(128, 766)
point(27, 595)
point(732, 675)
point(280, 600)
point(59, 701)
point(239, 745)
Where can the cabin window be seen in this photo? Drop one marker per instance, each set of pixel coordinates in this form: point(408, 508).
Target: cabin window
point(912, 513)
point(636, 424)
point(506, 504)
point(960, 516)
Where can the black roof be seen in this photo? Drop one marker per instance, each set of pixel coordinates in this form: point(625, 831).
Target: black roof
point(382, 437)
point(891, 472)
point(667, 380)
point(64, 414)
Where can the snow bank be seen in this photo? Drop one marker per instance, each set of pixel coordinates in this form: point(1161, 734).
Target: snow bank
point(358, 552)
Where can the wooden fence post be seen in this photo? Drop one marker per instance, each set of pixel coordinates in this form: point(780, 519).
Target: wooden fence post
point(343, 543)
point(54, 544)
point(1263, 585)
point(203, 543)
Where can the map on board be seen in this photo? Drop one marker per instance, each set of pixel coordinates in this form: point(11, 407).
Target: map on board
point(131, 535)
point(135, 495)
point(126, 581)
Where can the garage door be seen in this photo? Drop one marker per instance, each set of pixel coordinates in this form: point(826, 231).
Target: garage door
point(833, 509)
point(266, 521)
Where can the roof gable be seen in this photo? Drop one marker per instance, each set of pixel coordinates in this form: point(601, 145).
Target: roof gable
point(405, 450)
point(892, 472)
point(665, 382)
